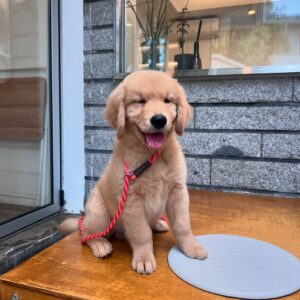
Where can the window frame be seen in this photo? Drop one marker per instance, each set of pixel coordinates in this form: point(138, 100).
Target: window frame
point(203, 74)
point(29, 218)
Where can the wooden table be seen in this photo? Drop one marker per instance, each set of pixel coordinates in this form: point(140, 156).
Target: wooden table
point(67, 270)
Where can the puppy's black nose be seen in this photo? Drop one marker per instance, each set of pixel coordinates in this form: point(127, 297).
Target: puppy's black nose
point(158, 121)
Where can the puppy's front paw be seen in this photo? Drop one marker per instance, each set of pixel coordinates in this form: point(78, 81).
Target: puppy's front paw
point(193, 249)
point(144, 264)
point(100, 247)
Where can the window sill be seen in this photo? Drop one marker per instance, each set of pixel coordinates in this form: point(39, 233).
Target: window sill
point(20, 246)
point(230, 73)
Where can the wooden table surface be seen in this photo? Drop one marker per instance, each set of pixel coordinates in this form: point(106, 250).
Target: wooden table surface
point(68, 270)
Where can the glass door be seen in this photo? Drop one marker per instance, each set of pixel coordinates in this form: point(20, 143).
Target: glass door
point(29, 113)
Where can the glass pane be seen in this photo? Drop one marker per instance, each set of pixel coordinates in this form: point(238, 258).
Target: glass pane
point(232, 34)
point(146, 28)
point(25, 164)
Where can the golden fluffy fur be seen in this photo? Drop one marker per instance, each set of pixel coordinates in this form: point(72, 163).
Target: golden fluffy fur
point(162, 188)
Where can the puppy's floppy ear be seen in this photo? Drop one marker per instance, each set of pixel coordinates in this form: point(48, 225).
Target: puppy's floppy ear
point(115, 109)
point(184, 111)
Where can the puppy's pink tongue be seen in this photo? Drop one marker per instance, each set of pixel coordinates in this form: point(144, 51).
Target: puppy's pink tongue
point(154, 140)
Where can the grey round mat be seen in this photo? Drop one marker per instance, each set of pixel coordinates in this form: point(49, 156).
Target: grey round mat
point(239, 267)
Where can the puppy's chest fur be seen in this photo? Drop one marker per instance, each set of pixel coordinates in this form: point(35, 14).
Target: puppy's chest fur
point(153, 188)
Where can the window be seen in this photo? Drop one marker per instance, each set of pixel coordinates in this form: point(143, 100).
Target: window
point(29, 113)
point(232, 36)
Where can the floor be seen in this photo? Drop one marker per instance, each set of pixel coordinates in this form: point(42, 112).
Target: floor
point(10, 211)
point(67, 270)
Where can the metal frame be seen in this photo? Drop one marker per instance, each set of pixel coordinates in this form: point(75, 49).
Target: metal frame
point(119, 34)
point(44, 212)
point(260, 71)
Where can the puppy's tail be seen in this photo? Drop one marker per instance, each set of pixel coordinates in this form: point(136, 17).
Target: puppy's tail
point(69, 225)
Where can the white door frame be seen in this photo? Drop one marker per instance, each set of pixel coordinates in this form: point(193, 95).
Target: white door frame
point(72, 103)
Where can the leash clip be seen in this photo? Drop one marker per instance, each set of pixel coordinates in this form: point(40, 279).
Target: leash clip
point(131, 176)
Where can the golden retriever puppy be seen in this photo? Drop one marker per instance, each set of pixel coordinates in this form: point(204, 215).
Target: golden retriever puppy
point(147, 110)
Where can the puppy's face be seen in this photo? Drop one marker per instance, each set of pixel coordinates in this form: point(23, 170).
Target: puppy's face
point(151, 115)
point(149, 104)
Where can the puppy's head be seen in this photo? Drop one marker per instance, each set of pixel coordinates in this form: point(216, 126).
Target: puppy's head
point(149, 104)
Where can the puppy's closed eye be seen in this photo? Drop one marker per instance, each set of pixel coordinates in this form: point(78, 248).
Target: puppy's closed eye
point(141, 101)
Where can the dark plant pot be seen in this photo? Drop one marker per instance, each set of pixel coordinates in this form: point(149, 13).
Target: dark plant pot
point(184, 61)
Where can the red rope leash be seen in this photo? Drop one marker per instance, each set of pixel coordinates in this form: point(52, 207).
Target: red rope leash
point(127, 177)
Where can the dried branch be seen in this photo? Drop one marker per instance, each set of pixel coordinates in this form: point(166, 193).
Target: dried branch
point(156, 14)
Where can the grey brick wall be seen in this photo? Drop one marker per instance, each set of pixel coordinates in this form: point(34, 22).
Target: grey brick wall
point(249, 130)
point(244, 136)
point(98, 83)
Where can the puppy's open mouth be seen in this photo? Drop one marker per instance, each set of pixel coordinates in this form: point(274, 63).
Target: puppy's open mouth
point(154, 140)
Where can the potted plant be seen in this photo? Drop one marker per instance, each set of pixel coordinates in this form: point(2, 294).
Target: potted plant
point(184, 60)
point(154, 29)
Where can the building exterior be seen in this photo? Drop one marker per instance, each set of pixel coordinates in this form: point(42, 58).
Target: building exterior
point(244, 136)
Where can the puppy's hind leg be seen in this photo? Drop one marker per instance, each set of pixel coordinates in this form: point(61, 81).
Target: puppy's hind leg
point(96, 219)
point(160, 225)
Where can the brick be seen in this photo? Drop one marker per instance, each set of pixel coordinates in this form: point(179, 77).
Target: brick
point(198, 171)
point(95, 163)
point(191, 123)
point(221, 144)
point(297, 90)
point(98, 39)
point(99, 13)
point(97, 66)
point(255, 118)
point(97, 93)
point(100, 139)
point(240, 90)
point(256, 175)
point(94, 116)
point(281, 146)
point(86, 14)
